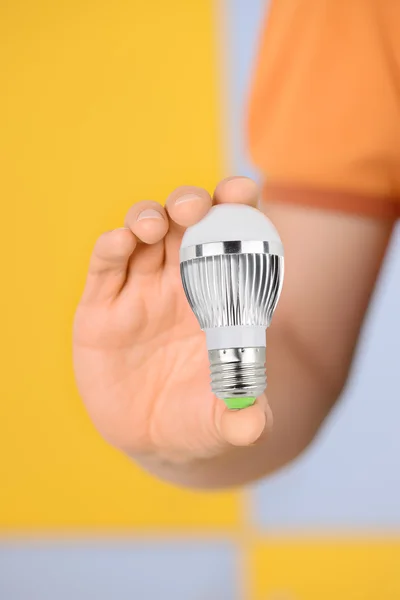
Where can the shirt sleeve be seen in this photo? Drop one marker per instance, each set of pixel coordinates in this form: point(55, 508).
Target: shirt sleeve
point(324, 122)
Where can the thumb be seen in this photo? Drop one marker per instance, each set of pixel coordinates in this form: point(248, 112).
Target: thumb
point(247, 426)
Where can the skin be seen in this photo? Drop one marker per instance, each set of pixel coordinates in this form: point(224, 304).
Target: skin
point(140, 358)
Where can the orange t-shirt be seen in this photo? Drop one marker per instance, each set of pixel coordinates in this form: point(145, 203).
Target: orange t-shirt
point(324, 122)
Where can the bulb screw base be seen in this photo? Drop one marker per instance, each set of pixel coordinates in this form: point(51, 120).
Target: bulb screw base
point(238, 375)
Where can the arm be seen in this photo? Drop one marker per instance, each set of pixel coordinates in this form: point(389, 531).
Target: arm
point(331, 261)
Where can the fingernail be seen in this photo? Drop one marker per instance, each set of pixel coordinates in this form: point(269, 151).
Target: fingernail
point(149, 213)
point(187, 198)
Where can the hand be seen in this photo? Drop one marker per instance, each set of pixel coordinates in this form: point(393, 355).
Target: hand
point(140, 358)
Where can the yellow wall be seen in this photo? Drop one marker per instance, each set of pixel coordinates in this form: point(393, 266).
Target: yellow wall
point(330, 569)
point(102, 104)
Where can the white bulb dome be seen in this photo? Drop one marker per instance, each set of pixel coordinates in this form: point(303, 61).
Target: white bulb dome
point(229, 223)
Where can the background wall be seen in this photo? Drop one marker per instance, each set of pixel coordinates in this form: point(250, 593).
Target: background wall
point(106, 104)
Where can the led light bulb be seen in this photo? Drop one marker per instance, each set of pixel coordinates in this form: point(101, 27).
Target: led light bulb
point(232, 273)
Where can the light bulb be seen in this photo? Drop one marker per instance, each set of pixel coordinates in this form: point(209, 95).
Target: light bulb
point(232, 273)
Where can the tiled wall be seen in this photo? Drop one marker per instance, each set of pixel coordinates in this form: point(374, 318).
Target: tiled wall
point(90, 87)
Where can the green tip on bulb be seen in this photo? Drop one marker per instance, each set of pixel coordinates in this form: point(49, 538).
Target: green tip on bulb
point(239, 402)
